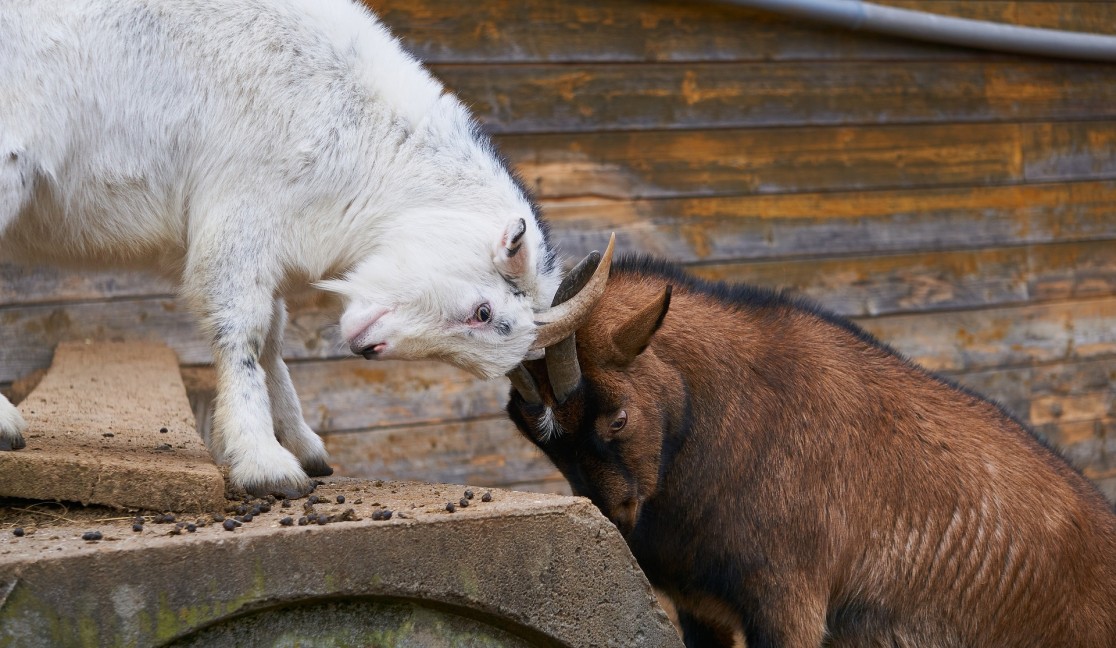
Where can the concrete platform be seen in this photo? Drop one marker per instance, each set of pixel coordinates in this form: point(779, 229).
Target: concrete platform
point(520, 570)
point(110, 424)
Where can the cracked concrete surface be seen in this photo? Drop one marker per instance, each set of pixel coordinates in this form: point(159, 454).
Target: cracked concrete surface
point(110, 424)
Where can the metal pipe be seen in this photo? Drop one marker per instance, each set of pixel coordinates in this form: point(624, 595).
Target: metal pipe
point(920, 25)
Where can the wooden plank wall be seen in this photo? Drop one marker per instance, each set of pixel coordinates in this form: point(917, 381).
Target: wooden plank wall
point(958, 204)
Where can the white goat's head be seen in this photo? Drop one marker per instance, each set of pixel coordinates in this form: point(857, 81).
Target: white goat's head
point(478, 300)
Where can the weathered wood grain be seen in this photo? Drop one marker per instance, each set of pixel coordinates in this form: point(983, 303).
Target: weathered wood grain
point(20, 284)
point(30, 333)
point(837, 224)
point(1018, 388)
point(486, 452)
point(662, 164)
point(1085, 16)
point(1088, 445)
point(358, 394)
point(1069, 151)
point(930, 281)
point(851, 286)
point(724, 229)
point(997, 337)
point(449, 31)
point(601, 97)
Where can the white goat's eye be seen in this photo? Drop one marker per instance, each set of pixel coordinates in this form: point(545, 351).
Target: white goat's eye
point(619, 422)
point(483, 313)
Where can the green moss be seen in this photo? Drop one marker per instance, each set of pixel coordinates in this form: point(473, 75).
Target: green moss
point(172, 621)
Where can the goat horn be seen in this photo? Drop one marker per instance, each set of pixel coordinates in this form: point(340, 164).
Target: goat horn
point(524, 384)
point(561, 358)
point(557, 323)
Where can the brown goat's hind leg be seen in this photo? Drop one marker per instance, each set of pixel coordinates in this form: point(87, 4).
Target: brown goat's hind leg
point(697, 633)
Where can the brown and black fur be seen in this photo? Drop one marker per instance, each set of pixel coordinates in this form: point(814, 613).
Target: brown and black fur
point(784, 474)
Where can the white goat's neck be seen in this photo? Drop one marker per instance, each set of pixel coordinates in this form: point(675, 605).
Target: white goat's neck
point(444, 182)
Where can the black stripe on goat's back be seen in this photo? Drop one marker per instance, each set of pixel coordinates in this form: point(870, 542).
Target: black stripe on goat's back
point(738, 295)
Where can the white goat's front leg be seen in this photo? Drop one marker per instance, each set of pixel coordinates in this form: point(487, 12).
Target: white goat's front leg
point(15, 188)
point(12, 426)
point(286, 411)
point(229, 279)
point(16, 181)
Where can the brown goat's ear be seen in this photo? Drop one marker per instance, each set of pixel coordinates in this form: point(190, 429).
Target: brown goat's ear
point(632, 337)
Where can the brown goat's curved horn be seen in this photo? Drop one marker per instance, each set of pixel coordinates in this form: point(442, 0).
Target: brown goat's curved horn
point(524, 384)
point(557, 323)
point(562, 367)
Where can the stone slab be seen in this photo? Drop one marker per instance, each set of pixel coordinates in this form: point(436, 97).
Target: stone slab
point(110, 424)
point(523, 569)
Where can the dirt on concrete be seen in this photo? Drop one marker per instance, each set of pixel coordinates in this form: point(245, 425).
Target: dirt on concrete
point(546, 569)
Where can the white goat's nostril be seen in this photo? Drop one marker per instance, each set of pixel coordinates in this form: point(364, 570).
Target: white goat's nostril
point(370, 351)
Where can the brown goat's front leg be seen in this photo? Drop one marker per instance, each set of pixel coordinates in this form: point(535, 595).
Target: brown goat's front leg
point(697, 633)
point(783, 613)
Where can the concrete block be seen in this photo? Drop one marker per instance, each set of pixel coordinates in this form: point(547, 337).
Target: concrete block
point(110, 424)
point(522, 569)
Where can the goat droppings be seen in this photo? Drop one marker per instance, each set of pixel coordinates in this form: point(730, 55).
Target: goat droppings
point(463, 502)
point(229, 525)
point(487, 497)
point(137, 527)
point(340, 499)
point(91, 535)
point(468, 494)
point(18, 532)
point(287, 521)
point(450, 507)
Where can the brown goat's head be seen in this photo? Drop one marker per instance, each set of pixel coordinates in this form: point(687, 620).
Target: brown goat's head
point(602, 405)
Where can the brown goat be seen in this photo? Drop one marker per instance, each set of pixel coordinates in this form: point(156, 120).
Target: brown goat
point(779, 472)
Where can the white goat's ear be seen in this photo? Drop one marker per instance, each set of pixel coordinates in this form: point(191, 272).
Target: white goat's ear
point(511, 256)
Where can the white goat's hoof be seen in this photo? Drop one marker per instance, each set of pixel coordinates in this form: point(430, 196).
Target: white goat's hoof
point(279, 475)
point(292, 487)
point(308, 447)
point(12, 427)
point(317, 468)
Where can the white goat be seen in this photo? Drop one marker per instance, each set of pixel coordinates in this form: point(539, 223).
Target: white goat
point(243, 147)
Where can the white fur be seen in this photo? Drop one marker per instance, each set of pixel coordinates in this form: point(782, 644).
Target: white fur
point(12, 425)
point(244, 146)
point(548, 426)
